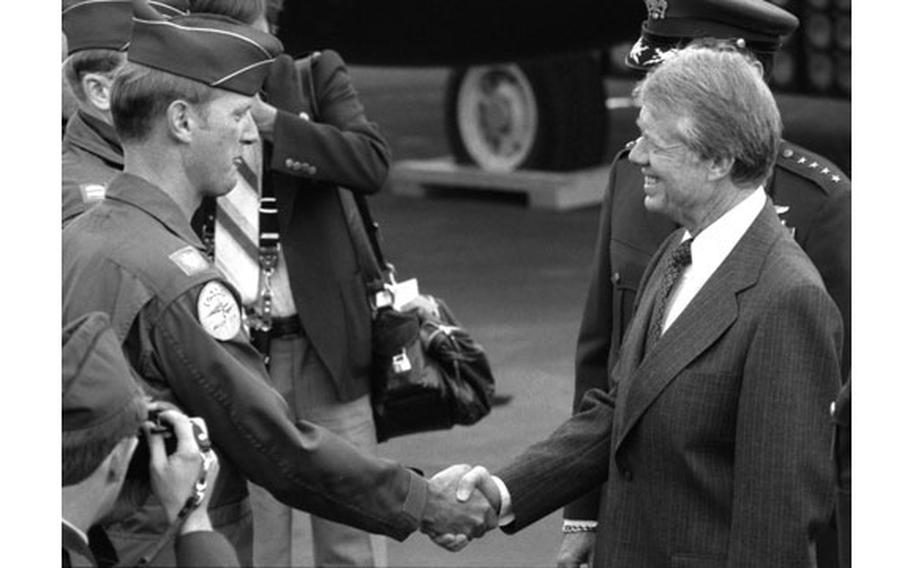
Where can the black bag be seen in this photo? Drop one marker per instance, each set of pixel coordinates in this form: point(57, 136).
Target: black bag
point(427, 372)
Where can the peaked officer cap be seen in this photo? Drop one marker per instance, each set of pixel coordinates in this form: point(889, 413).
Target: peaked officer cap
point(98, 387)
point(108, 24)
point(756, 25)
point(214, 50)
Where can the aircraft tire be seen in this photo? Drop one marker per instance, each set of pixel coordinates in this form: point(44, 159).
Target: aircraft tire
point(546, 114)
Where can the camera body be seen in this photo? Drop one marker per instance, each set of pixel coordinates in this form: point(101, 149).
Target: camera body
point(139, 465)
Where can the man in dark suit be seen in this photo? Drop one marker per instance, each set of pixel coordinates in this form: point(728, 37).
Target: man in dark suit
point(713, 441)
point(103, 410)
point(812, 197)
point(319, 149)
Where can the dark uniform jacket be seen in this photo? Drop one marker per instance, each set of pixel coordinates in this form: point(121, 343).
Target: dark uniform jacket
point(840, 414)
point(310, 159)
point(714, 445)
point(812, 198)
point(203, 549)
point(135, 257)
point(91, 157)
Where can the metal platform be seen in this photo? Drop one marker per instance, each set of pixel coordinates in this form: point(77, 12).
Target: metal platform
point(545, 190)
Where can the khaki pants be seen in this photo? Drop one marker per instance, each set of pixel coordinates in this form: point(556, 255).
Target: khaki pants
point(279, 531)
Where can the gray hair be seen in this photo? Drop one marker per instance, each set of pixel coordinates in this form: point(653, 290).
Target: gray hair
point(727, 109)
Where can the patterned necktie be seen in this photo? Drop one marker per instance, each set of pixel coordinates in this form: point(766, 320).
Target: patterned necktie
point(679, 260)
point(237, 228)
point(242, 217)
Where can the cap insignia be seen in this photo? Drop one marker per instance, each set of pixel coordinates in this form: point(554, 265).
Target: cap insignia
point(657, 9)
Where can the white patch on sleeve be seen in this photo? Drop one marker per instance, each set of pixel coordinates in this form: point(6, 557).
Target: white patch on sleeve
point(92, 192)
point(189, 260)
point(218, 311)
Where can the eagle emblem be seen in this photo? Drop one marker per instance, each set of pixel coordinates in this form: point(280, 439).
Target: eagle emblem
point(781, 209)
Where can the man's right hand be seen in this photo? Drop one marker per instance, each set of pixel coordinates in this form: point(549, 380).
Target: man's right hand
point(446, 515)
point(174, 476)
point(577, 550)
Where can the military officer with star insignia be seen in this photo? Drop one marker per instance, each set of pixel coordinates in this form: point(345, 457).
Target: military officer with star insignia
point(811, 196)
point(181, 109)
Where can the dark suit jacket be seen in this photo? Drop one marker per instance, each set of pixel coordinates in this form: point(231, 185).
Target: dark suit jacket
point(842, 461)
point(817, 197)
point(310, 159)
point(715, 447)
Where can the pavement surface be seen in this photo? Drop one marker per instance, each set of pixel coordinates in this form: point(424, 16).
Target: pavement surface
point(516, 278)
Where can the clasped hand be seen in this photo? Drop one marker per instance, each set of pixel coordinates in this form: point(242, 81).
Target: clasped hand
point(462, 503)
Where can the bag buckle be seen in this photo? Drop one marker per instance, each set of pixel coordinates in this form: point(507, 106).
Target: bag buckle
point(401, 363)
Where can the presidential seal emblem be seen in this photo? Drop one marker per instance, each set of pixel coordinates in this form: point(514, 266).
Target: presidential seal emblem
point(218, 311)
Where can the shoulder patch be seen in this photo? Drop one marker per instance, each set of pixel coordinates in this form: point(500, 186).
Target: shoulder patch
point(189, 260)
point(812, 167)
point(218, 311)
point(92, 192)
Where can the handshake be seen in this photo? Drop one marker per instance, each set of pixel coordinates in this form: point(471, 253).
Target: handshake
point(462, 503)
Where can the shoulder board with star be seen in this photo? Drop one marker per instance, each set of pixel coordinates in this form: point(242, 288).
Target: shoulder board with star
point(813, 167)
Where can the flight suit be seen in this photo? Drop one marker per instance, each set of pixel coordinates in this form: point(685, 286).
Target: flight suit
point(135, 257)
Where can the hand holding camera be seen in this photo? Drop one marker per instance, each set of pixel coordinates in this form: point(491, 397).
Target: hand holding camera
point(182, 466)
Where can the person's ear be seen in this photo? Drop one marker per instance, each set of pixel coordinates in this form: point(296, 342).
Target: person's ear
point(120, 458)
point(97, 89)
point(719, 168)
point(182, 120)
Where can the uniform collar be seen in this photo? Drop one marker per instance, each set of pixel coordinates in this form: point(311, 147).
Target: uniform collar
point(75, 541)
point(95, 137)
point(151, 199)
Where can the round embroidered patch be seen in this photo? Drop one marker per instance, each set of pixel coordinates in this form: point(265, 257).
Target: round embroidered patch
point(218, 311)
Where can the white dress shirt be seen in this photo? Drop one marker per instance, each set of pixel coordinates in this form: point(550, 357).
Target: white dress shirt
point(709, 249)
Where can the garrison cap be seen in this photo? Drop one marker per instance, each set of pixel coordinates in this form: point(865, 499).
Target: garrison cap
point(108, 24)
point(98, 386)
point(756, 25)
point(214, 50)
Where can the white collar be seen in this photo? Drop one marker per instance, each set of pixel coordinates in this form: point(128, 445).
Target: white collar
point(715, 242)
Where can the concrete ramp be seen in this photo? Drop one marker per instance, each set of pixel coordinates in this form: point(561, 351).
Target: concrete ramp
point(544, 190)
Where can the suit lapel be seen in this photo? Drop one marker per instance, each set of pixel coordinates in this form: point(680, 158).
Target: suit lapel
point(634, 338)
point(702, 322)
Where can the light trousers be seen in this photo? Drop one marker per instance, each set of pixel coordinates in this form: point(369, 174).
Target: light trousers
point(279, 531)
